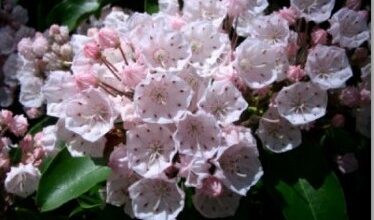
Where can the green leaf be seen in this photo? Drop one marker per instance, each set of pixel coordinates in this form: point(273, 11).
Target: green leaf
point(70, 12)
point(303, 201)
point(151, 6)
point(303, 186)
point(67, 178)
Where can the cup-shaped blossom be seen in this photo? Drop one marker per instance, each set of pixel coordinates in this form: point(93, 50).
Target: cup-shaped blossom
point(240, 166)
point(276, 133)
point(59, 87)
point(328, 66)
point(164, 49)
point(212, 11)
point(90, 114)
point(22, 180)
point(301, 103)
point(162, 98)
point(151, 149)
point(255, 61)
point(194, 169)
point(273, 29)
point(314, 10)
point(157, 199)
point(108, 38)
point(207, 44)
point(224, 101)
point(215, 200)
point(198, 134)
point(349, 28)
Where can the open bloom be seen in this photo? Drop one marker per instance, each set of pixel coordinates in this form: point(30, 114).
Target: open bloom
point(301, 103)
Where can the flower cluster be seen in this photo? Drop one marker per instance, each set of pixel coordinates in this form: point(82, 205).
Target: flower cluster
point(13, 18)
point(176, 84)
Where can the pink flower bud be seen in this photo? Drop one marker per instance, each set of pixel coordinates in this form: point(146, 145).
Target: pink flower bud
point(40, 45)
point(365, 97)
point(27, 144)
point(19, 125)
point(24, 47)
point(85, 80)
point(295, 73)
point(350, 96)
point(92, 50)
point(289, 14)
point(338, 121)
point(108, 38)
point(212, 186)
point(133, 74)
point(347, 163)
point(38, 138)
point(6, 117)
point(319, 36)
point(353, 4)
point(54, 30)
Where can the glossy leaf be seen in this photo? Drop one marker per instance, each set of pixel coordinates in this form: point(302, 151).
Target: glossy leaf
point(67, 178)
point(70, 12)
point(151, 6)
point(303, 201)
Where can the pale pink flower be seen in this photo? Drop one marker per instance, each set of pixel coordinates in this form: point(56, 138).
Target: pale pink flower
point(197, 134)
point(317, 11)
point(194, 169)
point(34, 113)
point(301, 103)
point(241, 168)
point(151, 149)
point(224, 101)
point(214, 200)
point(4, 162)
point(353, 4)
point(92, 50)
point(156, 198)
point(40, 45)
point(85, 80)
point(162, 98)
point(22, 180)
point(132, 74)
point(90, 114)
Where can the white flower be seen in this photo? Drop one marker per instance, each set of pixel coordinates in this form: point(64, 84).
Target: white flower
point(219, 204)
point(197, 134)
point(162, 98)
point(214, 11)
point(348, 28)
point(240, 166)
point(194, 169)
point(207, 45)
point(276, 133)
point(314, 10)
point(22, 180)
point(328, 67)
point(301, 103)
point(164, 49)
point(156, 199)
point(48, 140)
point(78, 146)
point(255, 62)
point(31, 95)
point(151, 149)
point(224, 101)
point(90, 114)
point(59, 87)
